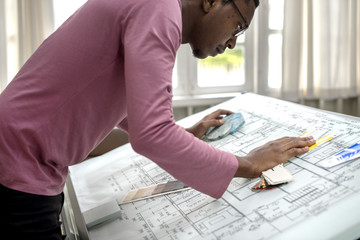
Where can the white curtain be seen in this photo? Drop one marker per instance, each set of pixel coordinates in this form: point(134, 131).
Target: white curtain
point(24, 24)
point(321, 48)
point(3, 62)
point(35, 23)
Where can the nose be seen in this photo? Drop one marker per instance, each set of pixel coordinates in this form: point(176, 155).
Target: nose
point(231, 43)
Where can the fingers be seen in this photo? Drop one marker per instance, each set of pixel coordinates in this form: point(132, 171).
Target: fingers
point(213, 123)
point(299, 142)
point(291, 142)
point(297, 146)
point(212, 120)
point(297, 151)
point(217, 114)
point(288, 147)
point(277, 151)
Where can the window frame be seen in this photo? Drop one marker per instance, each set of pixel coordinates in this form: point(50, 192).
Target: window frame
point(187, 67)
point(263, 35)
point(256, 65)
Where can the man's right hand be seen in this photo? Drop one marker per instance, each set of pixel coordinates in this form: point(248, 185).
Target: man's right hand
point(272, 154)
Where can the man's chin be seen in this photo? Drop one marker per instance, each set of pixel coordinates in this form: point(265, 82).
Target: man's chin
point(199, 54)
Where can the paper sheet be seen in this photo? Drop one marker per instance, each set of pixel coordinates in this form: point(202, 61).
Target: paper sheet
point(313, 195)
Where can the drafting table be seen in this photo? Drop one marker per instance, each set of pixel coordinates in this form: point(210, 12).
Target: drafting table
point(317, 204)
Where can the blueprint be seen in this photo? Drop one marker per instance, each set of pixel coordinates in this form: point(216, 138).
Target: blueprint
point(241, 213)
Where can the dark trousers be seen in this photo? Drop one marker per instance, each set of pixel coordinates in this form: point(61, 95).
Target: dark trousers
point(29, 216)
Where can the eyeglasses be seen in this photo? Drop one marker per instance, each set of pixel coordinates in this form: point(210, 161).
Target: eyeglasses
point(240, 30)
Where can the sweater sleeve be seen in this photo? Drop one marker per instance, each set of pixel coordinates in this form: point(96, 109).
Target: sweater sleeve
point(150, 45)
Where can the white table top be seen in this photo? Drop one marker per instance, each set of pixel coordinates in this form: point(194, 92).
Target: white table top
point(318, 204)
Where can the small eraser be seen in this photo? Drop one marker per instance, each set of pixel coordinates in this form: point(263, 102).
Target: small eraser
point(277, 175)
point(102, 213)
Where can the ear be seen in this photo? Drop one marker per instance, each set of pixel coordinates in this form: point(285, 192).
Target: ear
point(207, 5)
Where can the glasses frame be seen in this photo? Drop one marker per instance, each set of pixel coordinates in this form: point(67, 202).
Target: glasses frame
point(243, 29)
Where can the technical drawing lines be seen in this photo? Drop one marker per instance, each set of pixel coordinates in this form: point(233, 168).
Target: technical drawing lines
point(303, 195)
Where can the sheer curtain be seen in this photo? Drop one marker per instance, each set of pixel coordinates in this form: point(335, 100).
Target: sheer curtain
point(24, 24)
point(321, 59)
point(35, 23)
point(3, 62)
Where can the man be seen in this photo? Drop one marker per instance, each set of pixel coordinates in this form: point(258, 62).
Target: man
point(110, 64)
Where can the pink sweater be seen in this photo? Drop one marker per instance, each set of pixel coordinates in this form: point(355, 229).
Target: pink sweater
point(108, 65)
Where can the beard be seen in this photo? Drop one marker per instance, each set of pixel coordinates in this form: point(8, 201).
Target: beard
point(198, 54)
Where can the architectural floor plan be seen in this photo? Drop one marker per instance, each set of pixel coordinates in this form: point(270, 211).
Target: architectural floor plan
point(241, 213)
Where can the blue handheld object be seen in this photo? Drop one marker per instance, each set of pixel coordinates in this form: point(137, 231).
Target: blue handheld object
point(232, 123)
point(219, 132)
point(237, 121)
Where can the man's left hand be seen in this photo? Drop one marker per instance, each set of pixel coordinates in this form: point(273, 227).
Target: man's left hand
point(212, 120)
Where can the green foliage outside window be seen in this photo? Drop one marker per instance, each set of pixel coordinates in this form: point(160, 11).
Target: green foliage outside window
point(230, 59)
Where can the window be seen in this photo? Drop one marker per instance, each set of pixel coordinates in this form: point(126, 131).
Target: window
point(63, 10)
point(276, 16)
point(255, 64)
point(229, 67)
